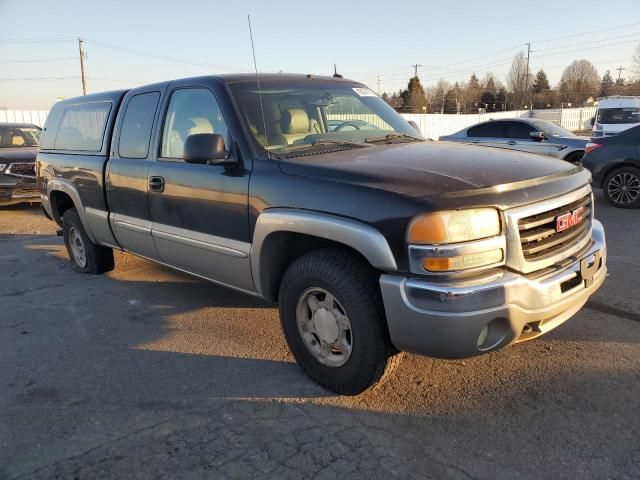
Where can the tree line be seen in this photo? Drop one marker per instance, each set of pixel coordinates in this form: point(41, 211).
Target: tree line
point(579, 85)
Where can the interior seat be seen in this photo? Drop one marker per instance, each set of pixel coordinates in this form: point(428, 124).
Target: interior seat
point(296, 125)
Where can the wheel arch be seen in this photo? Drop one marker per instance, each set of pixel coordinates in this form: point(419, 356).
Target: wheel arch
point(615, 166)
point(283, 235)
point(62, 195)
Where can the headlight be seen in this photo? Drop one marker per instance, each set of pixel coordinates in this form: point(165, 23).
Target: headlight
point(455, 240)
point(454, 226)
point(2, 167)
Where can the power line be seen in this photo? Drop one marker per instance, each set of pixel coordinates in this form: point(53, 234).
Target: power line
point(29, 79)
point(36, 40)
point(161, 56)
point(41, 60)
point(587, 43)
point(586, 33)
point(585, 49)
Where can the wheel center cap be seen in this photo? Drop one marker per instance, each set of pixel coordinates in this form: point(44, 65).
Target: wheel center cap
point(326, 325)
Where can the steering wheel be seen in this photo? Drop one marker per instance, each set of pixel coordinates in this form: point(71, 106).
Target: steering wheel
point(345, 124)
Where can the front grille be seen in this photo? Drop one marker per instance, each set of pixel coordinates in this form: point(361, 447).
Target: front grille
point(23, 169)
point(538, 235)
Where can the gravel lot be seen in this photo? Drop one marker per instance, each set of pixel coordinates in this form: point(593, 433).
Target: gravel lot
point(147, 373)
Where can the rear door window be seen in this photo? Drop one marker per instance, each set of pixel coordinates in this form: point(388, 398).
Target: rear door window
point(519, 130)
point(135, 133)
point(82, 127)
point(490, 129)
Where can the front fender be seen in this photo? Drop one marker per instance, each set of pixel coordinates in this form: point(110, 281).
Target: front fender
point(363, 238)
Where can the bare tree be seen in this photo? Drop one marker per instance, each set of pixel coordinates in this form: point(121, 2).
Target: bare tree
point(579, 81)
point(635, 63)
point(517, 80)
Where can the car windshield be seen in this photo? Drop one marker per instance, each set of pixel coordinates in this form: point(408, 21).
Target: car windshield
point(307, 115)
point(14, 137)
point(618, 115)
point(553, 130)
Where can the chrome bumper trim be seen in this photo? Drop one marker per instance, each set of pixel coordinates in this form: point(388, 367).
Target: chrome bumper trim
point(445, 319)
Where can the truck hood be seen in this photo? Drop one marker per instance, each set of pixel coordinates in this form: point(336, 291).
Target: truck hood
point(426, 168)
point(19, 154)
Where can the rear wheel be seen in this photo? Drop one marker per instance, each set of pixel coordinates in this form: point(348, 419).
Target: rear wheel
point(575, 158)
point(85, 256)
point(622, 187)
point(333, 320)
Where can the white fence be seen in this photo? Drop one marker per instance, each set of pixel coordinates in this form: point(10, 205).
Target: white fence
point(431, 125)
point(36, 117)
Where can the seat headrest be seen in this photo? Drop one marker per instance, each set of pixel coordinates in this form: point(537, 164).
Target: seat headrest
point(200, 125)
point(295, 120)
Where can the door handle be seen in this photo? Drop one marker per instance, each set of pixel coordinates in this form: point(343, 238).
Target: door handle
point(156, 184)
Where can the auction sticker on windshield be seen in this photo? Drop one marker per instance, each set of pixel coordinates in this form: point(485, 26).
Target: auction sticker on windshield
point(364, 92)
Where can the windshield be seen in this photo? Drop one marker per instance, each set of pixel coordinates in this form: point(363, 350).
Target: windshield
point(553, 130)
point(305, 115)
point(13, 137)
point(618, 115)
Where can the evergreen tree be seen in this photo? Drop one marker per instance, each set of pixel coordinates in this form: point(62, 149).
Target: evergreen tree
point(541, 82)
point(413, 97)
point(606, 85)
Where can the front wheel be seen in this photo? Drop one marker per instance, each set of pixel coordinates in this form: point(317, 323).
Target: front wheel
point(333, 320)
point(622, 187)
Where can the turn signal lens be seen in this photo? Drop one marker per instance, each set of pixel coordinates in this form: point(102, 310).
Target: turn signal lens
point(464, 262)
point(591, 146)
point(454, 226)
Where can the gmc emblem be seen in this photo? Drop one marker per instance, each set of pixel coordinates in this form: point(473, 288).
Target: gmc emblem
point(569, 219)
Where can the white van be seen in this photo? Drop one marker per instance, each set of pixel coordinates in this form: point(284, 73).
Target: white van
point(615, 114)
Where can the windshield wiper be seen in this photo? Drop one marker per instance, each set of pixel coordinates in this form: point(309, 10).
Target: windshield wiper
point(390, 137)
point(308, 148)
point(335, 141)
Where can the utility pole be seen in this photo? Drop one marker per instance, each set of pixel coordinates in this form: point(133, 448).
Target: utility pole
point(82, 57)
point(379, 83)
point(415, 67)
point(620, 69)
point(526, 85)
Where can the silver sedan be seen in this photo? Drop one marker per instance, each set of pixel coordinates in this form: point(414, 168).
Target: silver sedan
point(526, 135)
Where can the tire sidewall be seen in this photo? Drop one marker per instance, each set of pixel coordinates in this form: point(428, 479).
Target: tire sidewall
point(71, 219)
point(605, 187)
point(367, 347)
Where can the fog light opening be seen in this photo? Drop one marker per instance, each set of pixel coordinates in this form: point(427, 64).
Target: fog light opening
point(493, 334)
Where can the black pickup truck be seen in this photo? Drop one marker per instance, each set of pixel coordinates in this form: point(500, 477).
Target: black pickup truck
point(312, 192)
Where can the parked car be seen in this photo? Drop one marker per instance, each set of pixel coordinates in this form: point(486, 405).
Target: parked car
point(371, 243)
point(615, 165)
point(18, 149)
point(615, 115)
point(350, 124)
point(526, 135)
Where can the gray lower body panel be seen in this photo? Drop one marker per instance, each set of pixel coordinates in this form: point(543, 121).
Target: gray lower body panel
point(467, 318)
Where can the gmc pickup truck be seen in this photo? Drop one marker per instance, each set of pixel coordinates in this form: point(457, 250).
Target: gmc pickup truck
point(18, 149)
point(313, 193)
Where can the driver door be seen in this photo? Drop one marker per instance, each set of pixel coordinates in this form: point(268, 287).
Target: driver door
point(199, 212)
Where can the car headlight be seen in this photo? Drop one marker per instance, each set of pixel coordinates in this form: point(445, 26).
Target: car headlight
point(456, 240)
point(454, 226)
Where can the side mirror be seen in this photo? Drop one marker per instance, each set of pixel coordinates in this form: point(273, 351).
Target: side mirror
point(538, 136)
point(592, 121)
point(415, 125)
point(205, 148)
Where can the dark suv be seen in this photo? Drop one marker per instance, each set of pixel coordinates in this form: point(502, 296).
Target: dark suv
point(371, 241)
point(18, 150)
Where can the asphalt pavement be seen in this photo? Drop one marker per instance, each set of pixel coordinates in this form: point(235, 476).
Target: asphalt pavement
point(148, 373)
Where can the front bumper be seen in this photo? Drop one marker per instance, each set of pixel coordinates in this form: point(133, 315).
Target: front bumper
point(451, 319)
point(15, 189)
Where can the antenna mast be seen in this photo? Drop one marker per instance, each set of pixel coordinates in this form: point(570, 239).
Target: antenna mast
point(255, 65)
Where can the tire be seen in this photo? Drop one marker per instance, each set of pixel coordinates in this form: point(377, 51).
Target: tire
point(365, 348)
point(575, 158)
point(621, 187)
point(86, 257)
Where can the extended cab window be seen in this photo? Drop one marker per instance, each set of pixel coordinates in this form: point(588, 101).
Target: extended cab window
point(490, 129)
point(191, 111)
point(137, 125)
point(82, 127)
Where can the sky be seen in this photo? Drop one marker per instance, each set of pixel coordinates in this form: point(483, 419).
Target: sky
point(39, 59)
